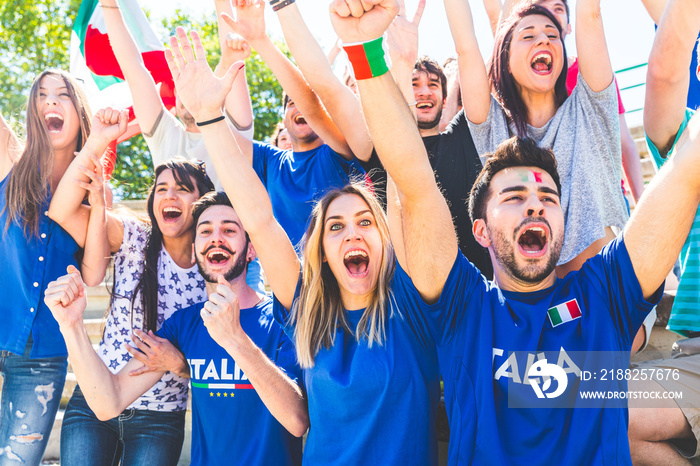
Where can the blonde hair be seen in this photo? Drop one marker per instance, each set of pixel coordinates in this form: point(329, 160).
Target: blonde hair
point(319, 311)
point(27, 187)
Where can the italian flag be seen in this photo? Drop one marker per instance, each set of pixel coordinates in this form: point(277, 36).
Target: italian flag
point(93, 63)
point(564, 312)
point(223, 386)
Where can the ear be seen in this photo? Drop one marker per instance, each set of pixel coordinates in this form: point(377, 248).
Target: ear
point(251, 254)
point(194, 258)
point(481, 233)
point(567, 31)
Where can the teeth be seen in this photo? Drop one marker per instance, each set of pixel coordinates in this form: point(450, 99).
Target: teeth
point(354, 253)
point(538, 230)
point(544, 56)
point(53, 115)
point(172, 209)
point(213, 254)
point(424, 105)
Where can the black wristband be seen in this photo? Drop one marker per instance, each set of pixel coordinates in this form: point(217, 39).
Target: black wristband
point(209, 122)
point(279, 5)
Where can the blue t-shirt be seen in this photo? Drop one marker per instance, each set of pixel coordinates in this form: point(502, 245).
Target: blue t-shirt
point(230, 423)
point(374, 405)
point(28, 265)
point(296, 180)
point(489, 339)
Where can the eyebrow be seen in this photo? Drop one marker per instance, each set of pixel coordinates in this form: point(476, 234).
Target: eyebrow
point(225, 222)
point(58, 88)
point(521, 188)
point(340, 217)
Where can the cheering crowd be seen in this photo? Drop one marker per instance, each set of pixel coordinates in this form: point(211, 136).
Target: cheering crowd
point(419, 226)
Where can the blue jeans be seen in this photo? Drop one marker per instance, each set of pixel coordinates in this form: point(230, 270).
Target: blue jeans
point(135, 437)
point(31, 393)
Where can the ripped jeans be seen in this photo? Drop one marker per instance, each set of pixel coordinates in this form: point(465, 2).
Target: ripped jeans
point(31, 393)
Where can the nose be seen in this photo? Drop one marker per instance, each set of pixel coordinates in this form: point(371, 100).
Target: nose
point(421, 90)
point(534, 207)
point(543, 38)
point(171, 193)
point(351, 233)
point(215, 237)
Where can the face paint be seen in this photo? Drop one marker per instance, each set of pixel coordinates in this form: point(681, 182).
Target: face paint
point(530, 176)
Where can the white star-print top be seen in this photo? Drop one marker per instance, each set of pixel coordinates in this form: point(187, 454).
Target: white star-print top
point(177, 289)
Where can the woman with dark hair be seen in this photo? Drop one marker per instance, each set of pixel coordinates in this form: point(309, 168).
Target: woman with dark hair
point(35, 250)
point(154, 276)
point(280, 137)
point(370, 368)
point(524, 93)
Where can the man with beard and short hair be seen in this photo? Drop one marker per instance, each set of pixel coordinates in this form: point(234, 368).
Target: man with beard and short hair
point(519, 354)
point(247, 407)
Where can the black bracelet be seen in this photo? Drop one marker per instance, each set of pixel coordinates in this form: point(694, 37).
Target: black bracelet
point(279, 5)
point(209, 122)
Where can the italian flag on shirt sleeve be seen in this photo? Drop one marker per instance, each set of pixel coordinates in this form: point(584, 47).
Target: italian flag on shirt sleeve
point(564, 312)
point(93, 63)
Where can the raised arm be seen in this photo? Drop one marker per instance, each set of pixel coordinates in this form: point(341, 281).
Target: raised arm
point(67, 208)
point(234, 48)
point(107, 394)
point(402, 39)
point(428, 234)
point(472, 70)
point(250, 23)
point(655, 8)
point(97, 250)
point(661, 222)
point(10, 148)
point(667, 73)
point(341, 103)
point(493, 11)
point(593, 58)
point(147, 103)
point(203, 95)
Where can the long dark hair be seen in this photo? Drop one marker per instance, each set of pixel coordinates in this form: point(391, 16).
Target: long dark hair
point(27, 186)
point(501, 79)
point(184, 171)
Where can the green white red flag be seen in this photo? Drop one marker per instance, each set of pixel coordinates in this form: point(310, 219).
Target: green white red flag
point(94, 64)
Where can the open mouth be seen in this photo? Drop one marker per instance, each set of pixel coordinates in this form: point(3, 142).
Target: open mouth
point(357, 262)
point(54, 122)
point(424, 104)
point(299, 120)
point(171, 214)
point(542, 63)
point(533, 241)
point(218, 256)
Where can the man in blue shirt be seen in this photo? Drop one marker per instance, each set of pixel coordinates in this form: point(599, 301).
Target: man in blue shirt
point(520, 355)
point(247, 407)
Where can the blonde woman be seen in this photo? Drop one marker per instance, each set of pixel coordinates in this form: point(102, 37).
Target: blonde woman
point(370, 370)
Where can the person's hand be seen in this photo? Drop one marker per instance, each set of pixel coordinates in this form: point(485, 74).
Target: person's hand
point(402, 35)
point(66, 298)
point(107, 125)
point(96, 186)
point(250, 20)
point(235, 48)
point(221, 313)
point(362, 20)
point(156, 354)
point(201, 92)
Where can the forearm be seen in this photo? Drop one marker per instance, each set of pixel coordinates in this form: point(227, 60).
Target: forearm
point(493, 11)
point(655, 8)
point(98, 384)
point(631, 162)
point(593, 57)
point(123, 45)
point(97, 249)
point(283, 397)
point(472, 70)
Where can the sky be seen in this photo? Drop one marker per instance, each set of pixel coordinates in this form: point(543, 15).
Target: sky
point(628, 28)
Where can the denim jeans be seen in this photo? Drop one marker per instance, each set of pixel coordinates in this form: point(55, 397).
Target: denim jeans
point(31, 393)
point(135, 437)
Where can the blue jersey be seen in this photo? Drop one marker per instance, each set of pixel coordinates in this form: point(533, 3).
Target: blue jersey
point(230, 423)
point(296, 180)
point(490, 344)
point(374, 405)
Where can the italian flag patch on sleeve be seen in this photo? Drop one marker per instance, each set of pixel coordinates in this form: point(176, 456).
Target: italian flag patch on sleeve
point(564, 312)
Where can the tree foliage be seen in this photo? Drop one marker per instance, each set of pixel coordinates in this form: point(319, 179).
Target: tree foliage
point(35, 35)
